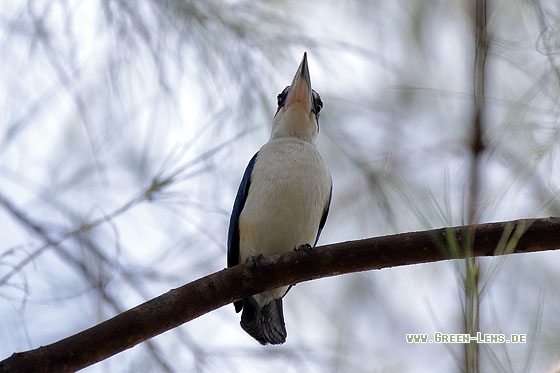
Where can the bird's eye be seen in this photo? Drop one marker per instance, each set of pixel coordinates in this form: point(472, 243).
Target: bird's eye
point(282, 96)
point(317, 103)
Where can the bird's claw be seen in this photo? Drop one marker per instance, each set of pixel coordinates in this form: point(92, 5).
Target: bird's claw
point(305, 247)
point(255, 259)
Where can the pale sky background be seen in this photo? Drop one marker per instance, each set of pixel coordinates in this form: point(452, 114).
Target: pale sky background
point(101, 98)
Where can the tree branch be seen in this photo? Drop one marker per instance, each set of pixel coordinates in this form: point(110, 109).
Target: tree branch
point(190, 301)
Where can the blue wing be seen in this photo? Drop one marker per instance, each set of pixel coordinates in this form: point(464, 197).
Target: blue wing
point(233, 233)
point(324, 217)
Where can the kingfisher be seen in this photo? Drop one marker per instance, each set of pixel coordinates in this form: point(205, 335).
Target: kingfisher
point(282, 202)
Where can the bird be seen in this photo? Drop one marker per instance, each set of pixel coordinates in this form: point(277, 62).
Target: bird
point(282, 202)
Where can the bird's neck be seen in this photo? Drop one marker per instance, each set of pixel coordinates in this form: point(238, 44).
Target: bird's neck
point(293, 125)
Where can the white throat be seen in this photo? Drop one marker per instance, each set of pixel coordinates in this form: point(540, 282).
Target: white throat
point(295, 122)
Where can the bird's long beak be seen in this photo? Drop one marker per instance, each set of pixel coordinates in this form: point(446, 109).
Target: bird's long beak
point(300, 89)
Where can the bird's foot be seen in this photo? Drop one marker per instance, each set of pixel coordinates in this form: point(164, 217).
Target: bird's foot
point(305, 247)
point(255, 259)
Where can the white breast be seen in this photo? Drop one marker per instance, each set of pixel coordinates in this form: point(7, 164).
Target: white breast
point(290, 186)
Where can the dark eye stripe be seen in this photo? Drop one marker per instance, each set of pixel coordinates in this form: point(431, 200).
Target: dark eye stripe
point(317, 103)
point(282, 97)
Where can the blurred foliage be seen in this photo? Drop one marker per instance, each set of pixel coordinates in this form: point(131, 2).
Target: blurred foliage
point(125, 128)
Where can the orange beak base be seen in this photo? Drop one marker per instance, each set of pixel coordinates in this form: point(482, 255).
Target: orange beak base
point(300, 89)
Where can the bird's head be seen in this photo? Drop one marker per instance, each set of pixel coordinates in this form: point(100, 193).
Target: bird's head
point(298, 108)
